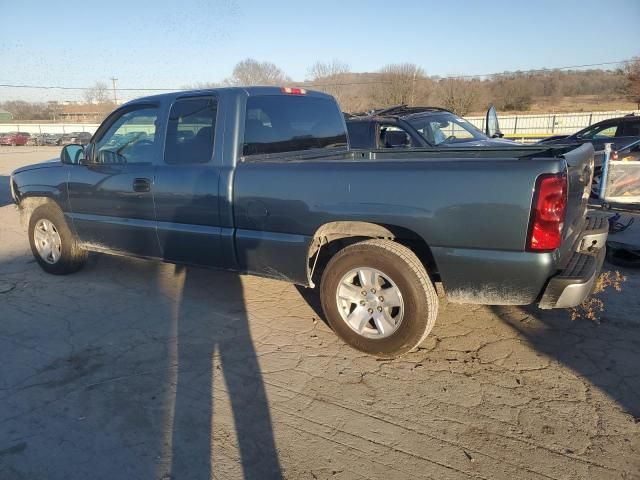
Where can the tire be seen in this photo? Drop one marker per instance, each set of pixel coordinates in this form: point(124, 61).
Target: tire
point(47, 223)
point(392, 269)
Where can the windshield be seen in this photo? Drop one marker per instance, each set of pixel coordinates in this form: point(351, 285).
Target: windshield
point(444, 127)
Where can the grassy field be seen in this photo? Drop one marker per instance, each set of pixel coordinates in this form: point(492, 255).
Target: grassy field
point(582, 103)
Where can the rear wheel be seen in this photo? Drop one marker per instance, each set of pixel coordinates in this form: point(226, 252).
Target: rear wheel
point(52, 243)
point(378, 298)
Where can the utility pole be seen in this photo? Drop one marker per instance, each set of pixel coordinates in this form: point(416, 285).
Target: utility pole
point(413, 85)
point(113, 82)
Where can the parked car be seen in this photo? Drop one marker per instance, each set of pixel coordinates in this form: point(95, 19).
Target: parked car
point(619, 131)
point(80, 138)
point(268, 185)
point(14, 138)
point(403, 126)
point(38, 139)
point(53, 139)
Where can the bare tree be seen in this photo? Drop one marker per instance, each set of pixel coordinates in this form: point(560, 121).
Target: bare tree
point(329, 77)
point(401, 83)
point(98, 93)
point(632, 77)
point(323, 70)
point(512, 92)
point(252, 72)
point(459, 95)
point(202, 85)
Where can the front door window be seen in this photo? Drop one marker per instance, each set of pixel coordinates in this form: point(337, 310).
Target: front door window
point(130, 139)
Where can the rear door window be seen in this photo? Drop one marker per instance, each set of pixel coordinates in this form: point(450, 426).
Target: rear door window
point(190, 131)
point(281, 123)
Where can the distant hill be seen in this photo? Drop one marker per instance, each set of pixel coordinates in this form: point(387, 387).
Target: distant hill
point(518, 92)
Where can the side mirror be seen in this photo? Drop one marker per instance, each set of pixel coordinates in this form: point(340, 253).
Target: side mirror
point(492, 127)
point(72, 154)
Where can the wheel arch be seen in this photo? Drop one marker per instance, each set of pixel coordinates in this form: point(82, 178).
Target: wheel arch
point(331, 237)
point(29, 202)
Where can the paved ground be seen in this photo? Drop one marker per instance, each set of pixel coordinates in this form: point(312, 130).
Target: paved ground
point(133, 369)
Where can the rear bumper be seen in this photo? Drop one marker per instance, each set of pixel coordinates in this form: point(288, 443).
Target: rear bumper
point(574, 283)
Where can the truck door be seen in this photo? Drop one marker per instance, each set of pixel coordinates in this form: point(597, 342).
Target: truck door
point(110, 192)
point(186, 185)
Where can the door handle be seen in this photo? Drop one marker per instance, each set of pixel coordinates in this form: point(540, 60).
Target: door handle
point(141, 185)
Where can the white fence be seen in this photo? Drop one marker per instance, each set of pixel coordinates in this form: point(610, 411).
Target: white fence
point(545, 125)
point(513, 126)
point(48, 127)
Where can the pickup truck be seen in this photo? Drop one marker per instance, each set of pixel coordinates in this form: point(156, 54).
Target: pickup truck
point(262, 181)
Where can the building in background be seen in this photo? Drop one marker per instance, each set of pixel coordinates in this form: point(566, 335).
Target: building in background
point(83, 113)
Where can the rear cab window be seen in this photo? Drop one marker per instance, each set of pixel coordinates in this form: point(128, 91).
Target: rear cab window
point(291, 123)
point(190, 131)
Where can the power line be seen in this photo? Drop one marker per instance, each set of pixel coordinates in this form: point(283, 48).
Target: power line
point(57, 87)
point(480, 75)
point(324, 84)
point(540, 70)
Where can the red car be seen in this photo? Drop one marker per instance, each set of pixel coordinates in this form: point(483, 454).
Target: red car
point(14, 138)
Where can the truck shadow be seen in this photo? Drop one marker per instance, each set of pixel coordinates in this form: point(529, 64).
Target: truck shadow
point(213, 351)
point(606, 354)
point(212, 338)
point(312, 297)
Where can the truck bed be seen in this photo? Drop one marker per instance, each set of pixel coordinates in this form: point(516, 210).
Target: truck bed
point(470, 205)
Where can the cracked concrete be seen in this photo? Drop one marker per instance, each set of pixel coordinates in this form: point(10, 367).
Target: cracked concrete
point(137, 369)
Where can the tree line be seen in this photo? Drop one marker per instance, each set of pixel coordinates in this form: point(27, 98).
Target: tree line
point(407, 83)
point(403, 83)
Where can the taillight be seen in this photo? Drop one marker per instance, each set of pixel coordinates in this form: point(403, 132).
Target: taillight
point(293, 90)
point(614, 155)
point(548, 211)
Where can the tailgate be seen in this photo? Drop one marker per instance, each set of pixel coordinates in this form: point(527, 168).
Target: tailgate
point(579, 177)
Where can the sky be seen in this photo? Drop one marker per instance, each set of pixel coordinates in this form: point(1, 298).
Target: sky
point(171, 44)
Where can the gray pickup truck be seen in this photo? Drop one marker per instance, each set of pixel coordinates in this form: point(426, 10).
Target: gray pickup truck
point(263, 181)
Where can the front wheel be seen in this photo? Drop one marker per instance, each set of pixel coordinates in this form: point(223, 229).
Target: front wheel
point(52, 242)
point(378, 298)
